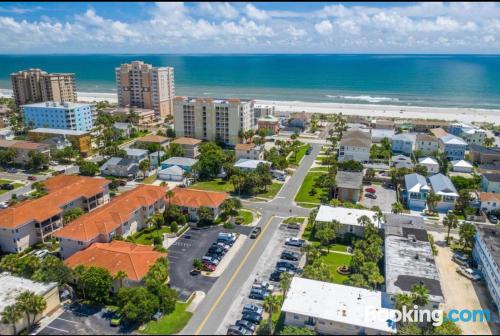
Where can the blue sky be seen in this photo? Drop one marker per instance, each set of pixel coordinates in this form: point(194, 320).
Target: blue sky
point(246, 27)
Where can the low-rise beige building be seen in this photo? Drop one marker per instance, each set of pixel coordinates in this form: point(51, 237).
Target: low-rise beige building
point(249, 151)
point(23, 148)
point(189, 145)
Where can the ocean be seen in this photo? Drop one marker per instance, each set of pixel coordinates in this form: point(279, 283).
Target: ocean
point(413, 80)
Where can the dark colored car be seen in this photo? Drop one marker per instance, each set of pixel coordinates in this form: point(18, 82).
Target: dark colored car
point(289, 255)
point(258, 294)
point(246, 324)
point(287, 265)
point(252, 308)
point(372, 196)
point(493, 219)
point(252, 317)
point(216, 250)
point(275, 276)
point(7, 186)
point(309, 150)
point(255, 232)
point(238, 330)
point(11, 170)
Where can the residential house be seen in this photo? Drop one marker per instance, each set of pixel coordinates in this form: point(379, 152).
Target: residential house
point(249, 151)
point(426, 143)
point(403, 143)
point(481, 154)
point(355, 145)
point(490, 183)
point(57, 142)
point(155, 158)
point(120, 167)
point(118, 256)
point(416, 191)
point(23, 148)
point(401, 161)
point(33, 221)
point(172, 173)
point(438, 132)
point(126, 214)
point(250, 165)
point(486, 256)
point(332, 309)
point(124, 128)
point(269, 123)
point(461, 166)
point(431, 164)
point(348, 186)
point(426, 125)
point(442, 186)
point(489, 201)
point(183, 162)
point(300, 120)
point(348, 219)
point(470, 133)
point(190, 146)
point(12, 286)
point(409, 260)
point(383, 124)
point(6, 134)
point(378, 134)
point(190, 200)
point(489, 168)
point(136, 154)
point(453, 147)
point(263, 110)
point(151, 139)
point(80, 140)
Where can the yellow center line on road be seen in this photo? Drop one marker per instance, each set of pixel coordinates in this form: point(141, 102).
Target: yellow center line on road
point(210, 312)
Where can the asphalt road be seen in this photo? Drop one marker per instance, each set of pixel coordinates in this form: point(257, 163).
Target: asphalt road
point(211, 312)
point(20, 176)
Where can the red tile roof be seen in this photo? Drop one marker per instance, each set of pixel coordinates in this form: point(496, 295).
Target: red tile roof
point(193, 198)
point(133, 259)
point(62, 190)
point(109, 217)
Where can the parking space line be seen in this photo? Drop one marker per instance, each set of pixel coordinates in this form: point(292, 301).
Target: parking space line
point(60, 318)
point(65, 331)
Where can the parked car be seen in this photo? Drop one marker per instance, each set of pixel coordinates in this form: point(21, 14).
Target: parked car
point(293, 226)
point(4, 205)
point(216, 250)
point(371, 190)
point(41, 253)
point(372, 196)
point(32, 178)
point(309, 150)
point(238, 330)
point(258, 294)
point(264, 285)
point(209, 267)
point(7, 186)
point(255, 232)
point(275, 276)
point(294, 241)
point(210, 260)
point(286, 264)
point(11, 170)
point(252, 317)
point(493, 219)
point(227, 235)
point(461, 259)
point(252, 308)
point(290, 255)
point(246, 324)
point(469, 273)
point(226, 247)
point(195, 271)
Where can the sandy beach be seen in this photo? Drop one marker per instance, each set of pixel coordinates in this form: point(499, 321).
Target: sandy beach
point(466, 115)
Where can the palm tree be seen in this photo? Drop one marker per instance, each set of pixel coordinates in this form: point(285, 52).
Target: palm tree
point(488, 142)
point(170, 195)
point(432, 200)
point(378, 216)
point(31, 304)
point(397, 208)
point(285, 281)
point(11, 314)
point(420, 294)
point(451, 222)
point(403, 300)
point(271, 303)
point(120, 276)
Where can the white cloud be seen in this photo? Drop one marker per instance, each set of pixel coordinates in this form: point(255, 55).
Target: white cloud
point(255, 13)
point(218, 10)
point(325, 27)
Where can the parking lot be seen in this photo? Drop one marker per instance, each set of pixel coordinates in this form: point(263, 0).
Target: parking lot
point(385, 197)
point(80, 320)
point(262, 271)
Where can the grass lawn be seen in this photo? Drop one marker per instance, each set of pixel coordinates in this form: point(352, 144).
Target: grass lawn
point(149, 179)
point(246, 215)
point(304, 193)
point(307, 205)
point(5, 181)
point(335, 260)
point(298, 220)
point(272, 190)
point(319, 169)
point(147, 235)
point(295, 159)
point(217, 184)
point(172, 323)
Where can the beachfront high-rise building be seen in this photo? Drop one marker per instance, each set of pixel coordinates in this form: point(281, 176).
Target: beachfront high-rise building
point(35, 85)
point(69, 116)
point(144, 86)
point(213, 119)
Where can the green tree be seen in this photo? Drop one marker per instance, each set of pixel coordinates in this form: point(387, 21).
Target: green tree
point(420, 169)
point(144, 166)
point(7, 155)
point(488, 142)
point(210, 160)
point(467, 233)
point(205, 216)
point(285, 281)
point(157, 273)
point(463, 201)
point(378, 216)
point(157, 220)
point(357, 280)
point(52, 269)
point(317, 271)
point(72, 214)
point(95, 283)
point(230, 206)
point(37, 160)
point(404, 300)
point(372, 274)
point(447, 328)
point(137, 304)
point(31, 305)
point(397, 208)
point(370, 174)
point(10, 315)
point(432, 200)
point(120, 275)
point(325, 234)
point(175, 149)
point(450, 222)
point(197, 264)
point(88, 168)
point(271, 304)
point(409, 328)
point(420, 294)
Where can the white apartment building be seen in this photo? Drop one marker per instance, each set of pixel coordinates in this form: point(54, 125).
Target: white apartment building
point(213, 119)
point(144, 86)
point(355, 145)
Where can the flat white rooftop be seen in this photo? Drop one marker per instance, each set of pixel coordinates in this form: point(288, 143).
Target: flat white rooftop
point(57, 105)
point(345, 216)
point(337, 303)
point(12, 286)
point(58, 131)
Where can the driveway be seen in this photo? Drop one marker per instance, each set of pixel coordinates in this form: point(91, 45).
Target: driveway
point(81, 320)
point(461, 293)
point(385, 197)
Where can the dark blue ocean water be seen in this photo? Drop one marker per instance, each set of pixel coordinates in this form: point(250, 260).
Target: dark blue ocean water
point(424, 80)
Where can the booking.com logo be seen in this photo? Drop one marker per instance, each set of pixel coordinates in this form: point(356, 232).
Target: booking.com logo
point(435, 316)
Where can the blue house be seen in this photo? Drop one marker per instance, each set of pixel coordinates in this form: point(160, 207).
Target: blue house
point(403, 143)
point(453, 147)
point(416, 191)
point(486, 256)
point(70, 116)
point(442, 186)
point(185, 163)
